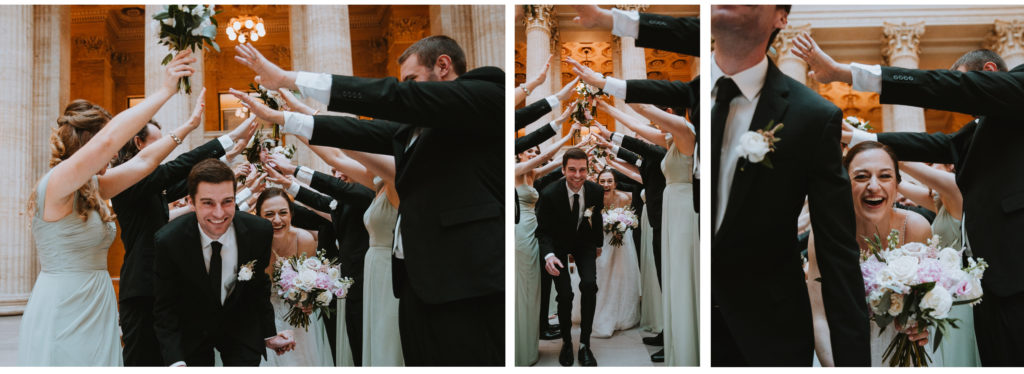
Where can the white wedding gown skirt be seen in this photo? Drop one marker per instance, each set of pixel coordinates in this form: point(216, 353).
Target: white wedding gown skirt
point(311, 347)
point(618, 288)
point(650, 290)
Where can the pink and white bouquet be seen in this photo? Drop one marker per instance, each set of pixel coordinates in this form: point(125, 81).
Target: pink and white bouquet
point(617, 221)
point(308, 284)
point(586, 106)
point(916, 285)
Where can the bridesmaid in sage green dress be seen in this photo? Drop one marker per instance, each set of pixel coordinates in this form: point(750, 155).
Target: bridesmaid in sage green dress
point(680, 260)
point(382, 345)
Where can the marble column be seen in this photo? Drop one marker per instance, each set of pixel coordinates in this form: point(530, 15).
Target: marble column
point(540, 29)
point(179, 107)
point(456, 22)
point(631, 63)
point(321, 42)
point(788, 63)
point(902, 49)
point(51, 75)
point(489, 36)
point(17, 253)
point(1007, 39)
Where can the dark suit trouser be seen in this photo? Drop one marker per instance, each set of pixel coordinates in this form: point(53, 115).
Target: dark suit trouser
point(545, 295)
point(587, 268)
point(354, 327)
point(724, 350)
point(656, 245)
point(999, 328)
point(141, 348)
point(467, 332)
point(231, 354)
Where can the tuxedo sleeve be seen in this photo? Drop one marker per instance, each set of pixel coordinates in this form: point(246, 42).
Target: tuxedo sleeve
point(176, 170)
point(265, 235)
point(534, 138)
point(527, 114)
point(597, 219)
point(352, 194)
point(832, 219)
point(542, 182)
point(973, 92)
point(465, 104)
point(661, 92)
point(313, 200)
point(624, 182)
point(373, 136)
point(545, 214)
point(646, 150)
point(177, 190)
point(679, 35)
point(627, 155)
point(167, 282)
point(923, 147)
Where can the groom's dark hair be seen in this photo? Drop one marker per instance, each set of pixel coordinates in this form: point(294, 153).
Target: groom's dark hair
point(975, 60)
point(428, 49)
point(771, 38)
point(574, 153)
point(210, 170)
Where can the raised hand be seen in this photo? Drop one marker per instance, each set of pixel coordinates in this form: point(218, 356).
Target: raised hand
point(293, 104)
point(197, 113)
point(269, 75)
point(566, 90)
point(259, 109)
point(822, 67)
point(585, 74)
point(274, 176)
point(281, 163)
point(243, 169)
point(245, 130)
point(590, 16)
point(542, 76)
point(179, 67)
point(847, 133)
point(565, 113)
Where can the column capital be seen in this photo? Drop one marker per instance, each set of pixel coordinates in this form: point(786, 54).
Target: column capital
point(1006, 37)
point(902, 40)
point(540, 17)
point(93, 47)
point(783, 43)
point(406, 29)
point(636, 7)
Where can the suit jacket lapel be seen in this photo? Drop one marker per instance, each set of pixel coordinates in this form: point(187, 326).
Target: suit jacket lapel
point(244, 255)
point(770, 107)
point(194, 258)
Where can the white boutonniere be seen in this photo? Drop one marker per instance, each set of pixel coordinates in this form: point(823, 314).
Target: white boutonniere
point(588, 214)
point(755, 145)
point(858, 123)
point(245, 271)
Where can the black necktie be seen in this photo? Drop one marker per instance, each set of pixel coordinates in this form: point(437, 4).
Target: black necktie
point(727, 90)
point(215, 264)
point(576, 208)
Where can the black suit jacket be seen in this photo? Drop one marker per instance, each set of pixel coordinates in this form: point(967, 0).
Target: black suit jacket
point(187, 314)
point(756, 270)
point(534, 138)
point(451, 180)
point(306, 219)
point(650, 172)
point(527, 114)
point(669, 33)
point(557, 231)
point(142, 209)
point(993, 200)
point(347, 216)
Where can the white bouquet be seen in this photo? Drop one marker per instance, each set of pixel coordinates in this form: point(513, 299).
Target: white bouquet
point(308, 284)
point(617, 221)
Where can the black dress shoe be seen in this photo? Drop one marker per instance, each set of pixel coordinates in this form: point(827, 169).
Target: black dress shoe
point(550, 333)
point(657, 340)
point(565, 357)
point(658, 356)
point(586, 357)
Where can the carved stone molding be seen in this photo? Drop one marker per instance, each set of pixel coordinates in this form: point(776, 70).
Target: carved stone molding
point(406, 30)
point(92, 47)
point(1007, 36)
point(901, 39)
point(540, 17)
point(784, 41)
point(636, 7)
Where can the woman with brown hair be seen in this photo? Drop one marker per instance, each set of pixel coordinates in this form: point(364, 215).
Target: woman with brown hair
point(71, 316)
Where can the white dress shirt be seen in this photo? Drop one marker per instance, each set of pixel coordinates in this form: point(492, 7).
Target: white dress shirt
point(625, 24)
point(582, 203)
point(304, 175)
point(228, 255)
point(741, 112)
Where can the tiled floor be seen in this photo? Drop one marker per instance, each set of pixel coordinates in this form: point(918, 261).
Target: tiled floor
point(9, 344)
point(625, 348)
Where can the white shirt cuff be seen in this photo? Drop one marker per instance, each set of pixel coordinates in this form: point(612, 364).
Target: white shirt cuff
point(178, 364)
point(866, 78)
point(293, 189)
point(298, 124)
point(553, 102)
point(226, 142)
point(555, 126)
point(625, 23)
point(548, 255)
point(315, 85)
point(862, 136)
point(615, 149)
point(615, 87)
point(244, 206)
point(617, 138)
point(243, 195)
point(304, 175)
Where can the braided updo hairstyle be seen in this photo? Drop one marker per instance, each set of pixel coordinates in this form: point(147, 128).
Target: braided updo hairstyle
point(80, 121)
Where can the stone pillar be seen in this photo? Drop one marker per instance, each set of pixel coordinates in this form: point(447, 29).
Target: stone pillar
point(1007, 39)
point(630, 63)
point(179, 108)
point(489, 35)
point(17, 252)
point(540, 29)
point(902, 49)
point(788, 63)
point(331, 55)
point(456, 22)
point(51, 74)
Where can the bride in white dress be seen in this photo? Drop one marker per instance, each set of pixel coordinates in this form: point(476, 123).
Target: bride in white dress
point(311, 345)
point(618, 273)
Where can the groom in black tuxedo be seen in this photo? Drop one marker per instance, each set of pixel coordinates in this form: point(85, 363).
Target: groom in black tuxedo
point(569, 222)
point(760, 312)
point(202, 300)
point(441, 123)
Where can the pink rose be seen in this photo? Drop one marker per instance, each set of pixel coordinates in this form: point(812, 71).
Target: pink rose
point(930, 270)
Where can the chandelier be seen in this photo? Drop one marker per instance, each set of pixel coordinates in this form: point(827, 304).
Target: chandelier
point(245, 28)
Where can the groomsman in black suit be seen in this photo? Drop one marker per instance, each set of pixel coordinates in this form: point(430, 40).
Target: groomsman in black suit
point(345, 202)
point(988, 162)
point(449, 249)
point(569, 222)
point(760, 312)
point(203, 301)
point(141, 210)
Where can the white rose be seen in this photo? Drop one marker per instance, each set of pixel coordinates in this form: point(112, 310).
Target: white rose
point(324, 298)
point(197, 10)
point(753, 146)
point(244, 274)
point(975, 290)
point(875, 299)
point(915, 249)
point(292, 294)
point(902, 269)
point(895, 304)
point(949, 258)
point(306, 279)
point(622, 227)
point(939, 300)
point(169, 21)
point(589, 212)
point(311, 263)
point(334, 273)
